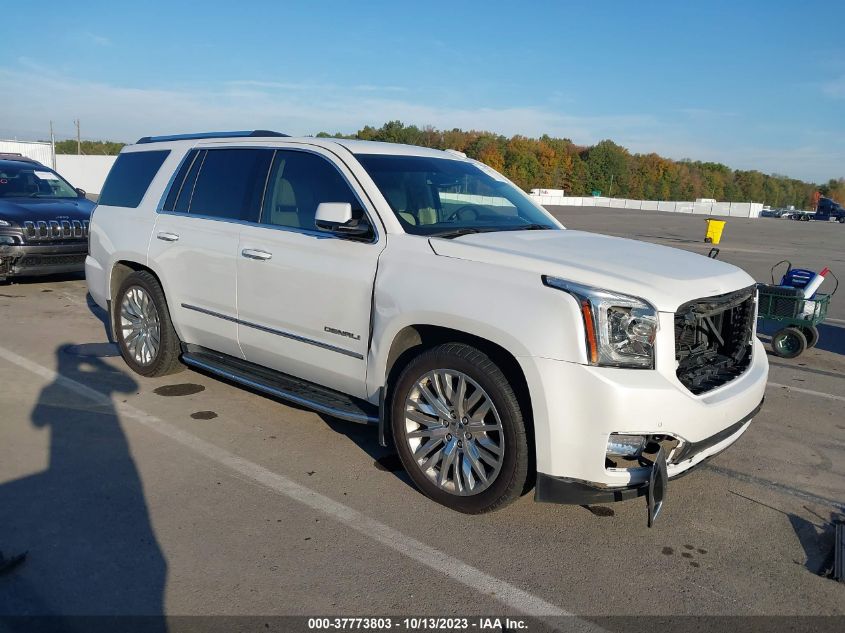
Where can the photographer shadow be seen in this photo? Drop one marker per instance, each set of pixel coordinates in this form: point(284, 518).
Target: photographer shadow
point(84, 520)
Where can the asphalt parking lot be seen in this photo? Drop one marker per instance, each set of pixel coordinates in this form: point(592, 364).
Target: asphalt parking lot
point(187, 495)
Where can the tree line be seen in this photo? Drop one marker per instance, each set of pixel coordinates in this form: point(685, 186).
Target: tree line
point(89, 148)
point(606, 167)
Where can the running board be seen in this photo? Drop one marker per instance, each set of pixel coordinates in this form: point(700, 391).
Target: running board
point(274, 383)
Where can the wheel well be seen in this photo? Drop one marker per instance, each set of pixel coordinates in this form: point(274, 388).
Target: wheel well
point(121, 270)
point(412, 340)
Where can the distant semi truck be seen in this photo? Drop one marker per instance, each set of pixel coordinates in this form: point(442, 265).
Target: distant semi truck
point(829, 210)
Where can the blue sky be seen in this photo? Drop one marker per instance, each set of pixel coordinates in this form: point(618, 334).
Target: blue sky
point(756, 84)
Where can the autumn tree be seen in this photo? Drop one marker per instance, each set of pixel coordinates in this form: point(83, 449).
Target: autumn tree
point(557, 163)
point(607, 164)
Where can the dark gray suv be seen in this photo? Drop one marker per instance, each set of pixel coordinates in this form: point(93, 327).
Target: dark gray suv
point(43, 220)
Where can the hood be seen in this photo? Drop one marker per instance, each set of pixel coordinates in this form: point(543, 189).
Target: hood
point(20, 210)
point(665, 277)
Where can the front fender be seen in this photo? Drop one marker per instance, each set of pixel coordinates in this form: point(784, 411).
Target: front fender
point(508, 307)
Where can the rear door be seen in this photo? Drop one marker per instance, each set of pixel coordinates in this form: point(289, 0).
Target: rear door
point(195, 241)
point(304, 295)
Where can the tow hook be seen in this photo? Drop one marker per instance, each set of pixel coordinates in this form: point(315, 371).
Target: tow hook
point(658, 482)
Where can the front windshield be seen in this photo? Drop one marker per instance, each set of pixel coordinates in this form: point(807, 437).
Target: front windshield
point(35, 181)
point(444, 197)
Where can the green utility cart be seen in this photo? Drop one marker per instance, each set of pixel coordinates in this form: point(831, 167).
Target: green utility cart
point(797, 317)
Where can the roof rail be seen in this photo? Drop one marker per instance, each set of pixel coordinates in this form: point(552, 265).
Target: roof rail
point(18, 157)
point(200, 135)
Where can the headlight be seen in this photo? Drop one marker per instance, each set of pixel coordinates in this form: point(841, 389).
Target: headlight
point(620, 329)
point(5, 223)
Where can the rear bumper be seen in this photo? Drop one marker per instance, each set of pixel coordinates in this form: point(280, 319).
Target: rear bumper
point(24, 260)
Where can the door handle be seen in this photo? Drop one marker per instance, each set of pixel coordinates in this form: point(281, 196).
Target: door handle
point(167, 237)
point(250, 253)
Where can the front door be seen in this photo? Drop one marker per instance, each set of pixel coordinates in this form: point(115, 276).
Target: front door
point(304, 295)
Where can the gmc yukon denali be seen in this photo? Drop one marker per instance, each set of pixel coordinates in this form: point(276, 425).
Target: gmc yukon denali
point(422, 292)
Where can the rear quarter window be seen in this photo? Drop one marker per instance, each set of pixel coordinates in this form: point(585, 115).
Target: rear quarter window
point(130, 176)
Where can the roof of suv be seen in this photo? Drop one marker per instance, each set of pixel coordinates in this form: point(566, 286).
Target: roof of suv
point(19, 159)
point(352, 145)
point(378, 147)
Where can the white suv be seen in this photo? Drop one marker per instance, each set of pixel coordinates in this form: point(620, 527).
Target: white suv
point(423, 292)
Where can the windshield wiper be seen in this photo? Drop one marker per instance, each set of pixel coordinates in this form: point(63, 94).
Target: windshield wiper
point(466, 230)
point(529, 227)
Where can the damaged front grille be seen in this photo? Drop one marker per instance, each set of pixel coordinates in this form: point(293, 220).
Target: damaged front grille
point(713, 339)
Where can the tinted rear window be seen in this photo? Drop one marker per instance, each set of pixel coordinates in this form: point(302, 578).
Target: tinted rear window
point(231, 183)
point(176, 185)
point(130, 176)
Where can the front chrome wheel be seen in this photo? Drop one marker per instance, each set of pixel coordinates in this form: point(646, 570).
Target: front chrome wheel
point(140, 327)
point(454, 432)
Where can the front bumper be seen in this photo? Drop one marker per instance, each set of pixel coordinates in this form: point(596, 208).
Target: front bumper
point(577, 407)
point(570, 491)
point(24, 260)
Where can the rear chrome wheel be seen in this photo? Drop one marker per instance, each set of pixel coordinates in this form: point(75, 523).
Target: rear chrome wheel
point(454, 432)
point(458, 428)
point(140, 326)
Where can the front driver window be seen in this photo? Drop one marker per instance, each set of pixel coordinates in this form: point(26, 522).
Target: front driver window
point(299, 181)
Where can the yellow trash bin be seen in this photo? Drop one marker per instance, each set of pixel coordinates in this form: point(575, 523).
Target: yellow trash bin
point(714, 230)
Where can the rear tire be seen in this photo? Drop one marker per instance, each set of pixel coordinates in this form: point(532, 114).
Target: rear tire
point(811, 333)
point(789, 342)
point(452, 408)
point(142, 327)
point(841, 219)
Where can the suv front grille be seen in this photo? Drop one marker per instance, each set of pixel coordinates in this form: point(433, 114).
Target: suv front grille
point(55, 230)
point(713, 339)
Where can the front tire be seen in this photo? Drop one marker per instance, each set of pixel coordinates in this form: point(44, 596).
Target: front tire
point(789, 342)
point(142, 326)
point(459, 429)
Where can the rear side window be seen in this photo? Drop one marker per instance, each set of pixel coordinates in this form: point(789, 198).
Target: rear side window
point(183, 200)
point(130, 176)
point(178, 180)
point(230, 184)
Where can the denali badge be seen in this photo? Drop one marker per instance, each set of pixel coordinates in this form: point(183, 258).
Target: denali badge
point(331, 330)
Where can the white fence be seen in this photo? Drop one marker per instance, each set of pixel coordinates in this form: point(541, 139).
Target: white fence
point(36, 150)
point(467, 198)
point(86, 172)
point(729, 209)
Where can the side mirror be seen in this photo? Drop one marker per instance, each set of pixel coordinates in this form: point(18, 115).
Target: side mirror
point(336, 217)
point(80, 192)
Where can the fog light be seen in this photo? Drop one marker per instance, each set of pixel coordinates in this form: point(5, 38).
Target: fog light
point(626, 445)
